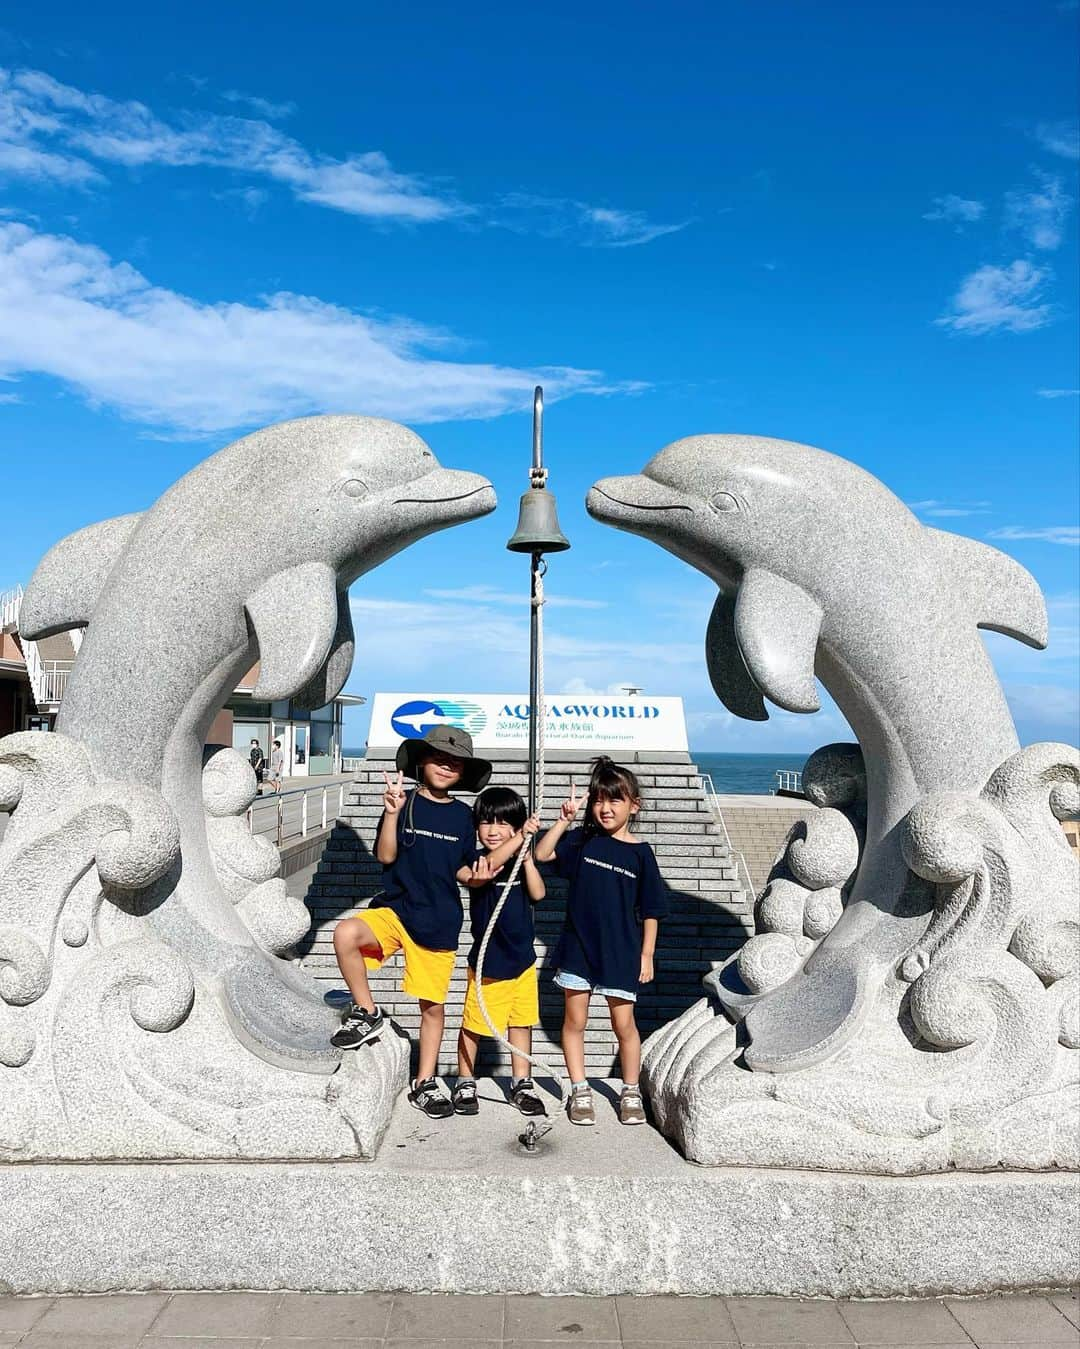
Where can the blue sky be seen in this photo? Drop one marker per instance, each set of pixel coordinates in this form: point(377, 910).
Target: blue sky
point(853, 226)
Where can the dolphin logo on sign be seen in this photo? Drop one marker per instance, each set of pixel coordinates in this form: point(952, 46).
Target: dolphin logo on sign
point(415, 718)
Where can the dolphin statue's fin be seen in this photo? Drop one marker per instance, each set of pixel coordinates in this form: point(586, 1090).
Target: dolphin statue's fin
point(295, 617)
point(730, 678)
point(330, 678)
point(777, 625)
point(1004, 595)
point(69, 579)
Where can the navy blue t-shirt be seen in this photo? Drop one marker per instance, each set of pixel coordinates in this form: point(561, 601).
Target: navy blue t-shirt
point(420, 885)
point(511, 949)
point(613, 885)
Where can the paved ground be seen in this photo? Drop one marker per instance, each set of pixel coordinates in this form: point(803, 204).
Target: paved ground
point(367, 1320)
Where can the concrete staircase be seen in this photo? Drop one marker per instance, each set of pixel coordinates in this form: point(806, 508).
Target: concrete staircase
point(711, 915)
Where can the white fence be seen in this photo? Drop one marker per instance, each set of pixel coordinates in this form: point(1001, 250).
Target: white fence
point(788, 780)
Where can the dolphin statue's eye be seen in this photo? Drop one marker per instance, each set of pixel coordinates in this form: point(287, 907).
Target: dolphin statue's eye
point(723, 503)
point(353, 487)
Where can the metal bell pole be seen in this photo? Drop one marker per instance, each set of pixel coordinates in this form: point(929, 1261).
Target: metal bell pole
point(537, 533)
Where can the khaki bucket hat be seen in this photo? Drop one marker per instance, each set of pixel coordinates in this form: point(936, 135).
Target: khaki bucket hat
point(446, 740)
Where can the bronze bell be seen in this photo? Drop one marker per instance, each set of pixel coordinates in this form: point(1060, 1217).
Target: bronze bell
point(538, 525)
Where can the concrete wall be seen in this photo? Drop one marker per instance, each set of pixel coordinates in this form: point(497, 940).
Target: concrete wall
point(710, 911)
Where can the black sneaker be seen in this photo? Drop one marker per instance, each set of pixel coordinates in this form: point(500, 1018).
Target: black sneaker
point(357, 1027)
point(523, 1095)
point(463, 1097)
point(427, 1097)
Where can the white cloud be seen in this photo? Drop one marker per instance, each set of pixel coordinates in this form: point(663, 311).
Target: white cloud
point(1066, 534)
point(594, 226)
point(941, 509)
point(38, 114)
point(1000, 298)
point(1057, 393)
point(1059, 138)
point(958, 211)
point(48, 128)
point(263, 106)
point(161, 357)
point(482, 594)
point(1039, 214)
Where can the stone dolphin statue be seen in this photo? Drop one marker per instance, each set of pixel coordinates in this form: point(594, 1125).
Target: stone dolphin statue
point(824, 572)
point(248, 557)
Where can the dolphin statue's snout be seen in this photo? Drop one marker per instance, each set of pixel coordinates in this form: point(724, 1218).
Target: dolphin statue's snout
point(619, 500)
point(451, 486)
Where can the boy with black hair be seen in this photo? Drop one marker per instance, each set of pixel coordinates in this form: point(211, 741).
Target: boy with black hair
point(509, 983)
point(426, 842)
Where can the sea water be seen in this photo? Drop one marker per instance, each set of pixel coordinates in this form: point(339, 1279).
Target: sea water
point(753, 774)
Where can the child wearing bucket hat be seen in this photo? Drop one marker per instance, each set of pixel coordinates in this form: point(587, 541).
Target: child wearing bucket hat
point(426, 842)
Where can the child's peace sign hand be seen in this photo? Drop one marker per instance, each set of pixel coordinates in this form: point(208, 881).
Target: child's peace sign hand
point(394, 795)
point(572, 804)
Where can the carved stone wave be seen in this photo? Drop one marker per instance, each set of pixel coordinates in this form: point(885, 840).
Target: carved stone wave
point(111, 1045)
point(971, 1057)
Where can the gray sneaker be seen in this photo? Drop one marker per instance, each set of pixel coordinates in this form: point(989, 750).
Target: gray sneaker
point(631, 1109)
point(580, 1108)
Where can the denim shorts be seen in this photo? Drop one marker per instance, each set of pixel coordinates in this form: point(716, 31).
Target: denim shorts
point(576, 984)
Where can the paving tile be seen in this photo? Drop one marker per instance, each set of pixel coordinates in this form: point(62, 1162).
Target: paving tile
point(20, 1313)
point(226, 1315)
point(334, 1316)
point(546, 1344)
point(445, 1316)
point(561, 1319)
point(203, 1342)
point(677, 1344)
point(781, 1320)
point(690, 1320)
point(433, 1344)
point(1068, 1304)
point(112, 1314)
point(899, 1322)
point(348, 1343)
point(965, 1343)
point(1012, 1320)
point(74, 1340)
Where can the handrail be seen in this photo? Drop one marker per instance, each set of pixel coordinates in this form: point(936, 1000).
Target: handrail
point(788, 780)
point(280, 828)
point(10, 604)
point(713, 799)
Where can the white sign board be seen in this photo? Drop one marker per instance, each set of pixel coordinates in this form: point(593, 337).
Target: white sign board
point(501, 720)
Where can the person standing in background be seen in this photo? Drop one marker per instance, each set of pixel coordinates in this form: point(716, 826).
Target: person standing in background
point(258, 764)
point(277, 765)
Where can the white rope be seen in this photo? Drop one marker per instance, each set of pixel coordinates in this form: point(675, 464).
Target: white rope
point(539, 711)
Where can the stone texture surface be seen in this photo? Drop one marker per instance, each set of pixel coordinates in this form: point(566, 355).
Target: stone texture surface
point(612, 1225)
point(911, 998)
point(148, 1004)
point(710, 917)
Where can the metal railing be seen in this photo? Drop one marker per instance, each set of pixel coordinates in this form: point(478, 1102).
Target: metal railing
point(741, 869)
point(788, 780)
point(10, 604)
point(284, 816)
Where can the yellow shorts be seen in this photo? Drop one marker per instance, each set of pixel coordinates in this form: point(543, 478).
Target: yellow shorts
point(510, 1002)
point(427, 973)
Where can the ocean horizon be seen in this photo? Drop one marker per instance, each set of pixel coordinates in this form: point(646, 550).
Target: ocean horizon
point(738, 774)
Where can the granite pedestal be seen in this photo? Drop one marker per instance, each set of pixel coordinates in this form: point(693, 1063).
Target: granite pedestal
point(454, 1206)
